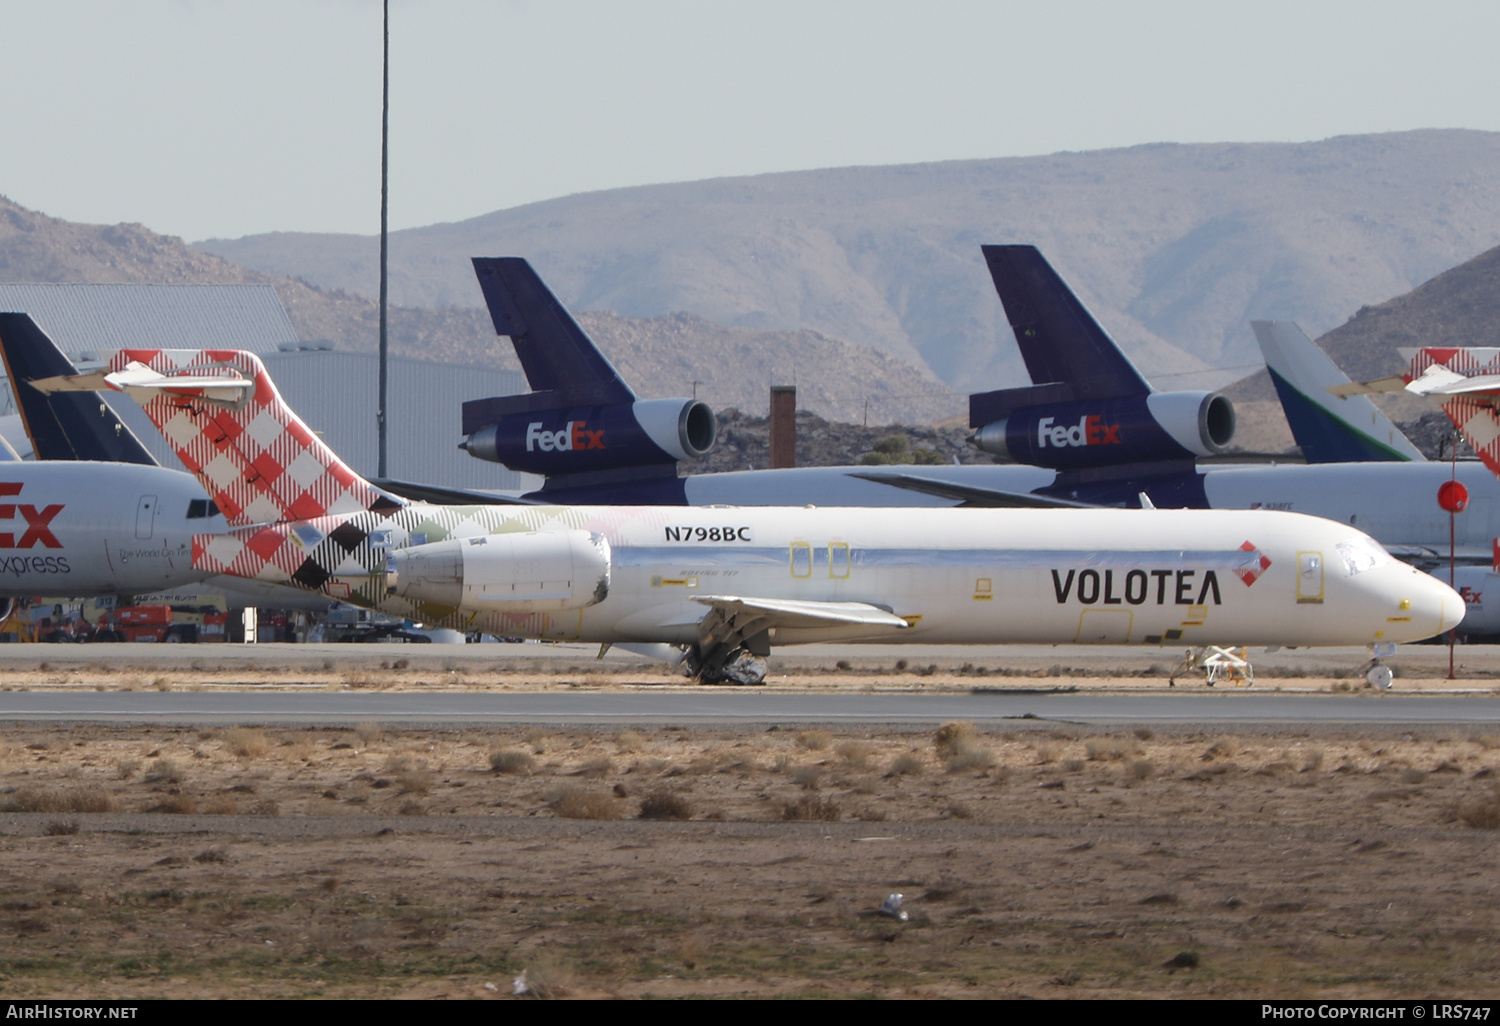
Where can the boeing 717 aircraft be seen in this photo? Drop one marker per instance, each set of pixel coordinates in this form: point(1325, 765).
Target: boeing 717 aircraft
point(722, 586)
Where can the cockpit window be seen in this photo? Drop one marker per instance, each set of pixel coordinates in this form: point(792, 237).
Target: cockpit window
point(1361, 554)
point(198, 509)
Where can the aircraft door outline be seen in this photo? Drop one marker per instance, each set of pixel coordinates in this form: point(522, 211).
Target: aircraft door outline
point(1310, 578)
point(145, 516)
point(800, 559)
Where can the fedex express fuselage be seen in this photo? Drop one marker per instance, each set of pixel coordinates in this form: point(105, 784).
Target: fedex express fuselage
point(98, 528)
point(646, 574)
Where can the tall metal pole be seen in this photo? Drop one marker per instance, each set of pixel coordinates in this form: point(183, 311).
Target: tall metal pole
point(385, 162)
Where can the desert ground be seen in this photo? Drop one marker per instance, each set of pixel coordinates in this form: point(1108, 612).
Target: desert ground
point(1044, 861)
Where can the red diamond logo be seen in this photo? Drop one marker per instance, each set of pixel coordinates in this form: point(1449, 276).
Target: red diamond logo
point(1250, 574)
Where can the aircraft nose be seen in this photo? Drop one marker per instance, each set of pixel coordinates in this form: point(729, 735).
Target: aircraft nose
point(1433, 602)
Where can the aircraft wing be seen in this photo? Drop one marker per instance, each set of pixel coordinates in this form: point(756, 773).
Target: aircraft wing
point(734, 621)
point(801, 613)
point(967, 495)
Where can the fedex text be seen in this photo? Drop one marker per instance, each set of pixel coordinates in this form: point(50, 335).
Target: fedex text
point(1090, 430)
point(573, 436)
point(37, 520)
point(1136, 587)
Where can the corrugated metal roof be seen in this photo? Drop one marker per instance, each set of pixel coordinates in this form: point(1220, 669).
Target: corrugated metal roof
point(334, 392)
point(106, 317)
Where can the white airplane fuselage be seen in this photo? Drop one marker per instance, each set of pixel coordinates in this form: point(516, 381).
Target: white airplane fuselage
point(952, 575)
point(82, 529)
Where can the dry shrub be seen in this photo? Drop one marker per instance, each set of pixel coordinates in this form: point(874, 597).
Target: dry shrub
point(399, 762)
point(1046, 754)
point(855, 753)
point(246, 742)
point(782, 764)
point(664, 804)
point(811, 807)
point(417, 780)
point(953, 737)
point(62, 828)
point(807, 777)
point(265, 807)
point(538, 739)
point(905, 764)
point(165, 771)
point(368, 733)
point(1144, 733)
point(220, 807)
point(814, 740)
point(970, 758)
point(597, 768)
point(1412, 775)
point(1313, 761)
point(631, 741)
point(1107, 749)
point(162, 683)
point(41, 799)
point(871, 814)
point(652, 766)
point(1481, 811)
point(1487, 740)
point(412, 808)
point(512, 760)
point(1073, 765)
point(958, 810)
point(177, 804)
point(1224, 748)
point(1142, 769)
point(572, 802)
point(127, 768)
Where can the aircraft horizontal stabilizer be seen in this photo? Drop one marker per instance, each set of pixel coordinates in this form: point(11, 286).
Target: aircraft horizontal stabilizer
point(143, 384)
point(1379, 386)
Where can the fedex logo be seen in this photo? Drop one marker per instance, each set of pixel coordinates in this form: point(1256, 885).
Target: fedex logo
point(572, 436)
point(1471, 596)
point(37, 532)
point(1090, 430)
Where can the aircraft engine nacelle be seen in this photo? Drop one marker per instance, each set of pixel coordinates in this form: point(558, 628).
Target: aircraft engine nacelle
point(532, 572)
point(1074, 435)
point(568, 441)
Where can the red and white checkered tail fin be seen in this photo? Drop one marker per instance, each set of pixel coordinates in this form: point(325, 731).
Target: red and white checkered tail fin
point(222, 415)
point(1471, 402)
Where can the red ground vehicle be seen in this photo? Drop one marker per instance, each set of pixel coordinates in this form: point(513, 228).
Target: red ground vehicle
point(160, 624)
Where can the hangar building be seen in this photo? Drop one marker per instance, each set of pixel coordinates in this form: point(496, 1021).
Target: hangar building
point(334, 392)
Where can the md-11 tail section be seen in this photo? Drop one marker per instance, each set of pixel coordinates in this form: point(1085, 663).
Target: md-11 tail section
point(581, 417)
point(1088, 407)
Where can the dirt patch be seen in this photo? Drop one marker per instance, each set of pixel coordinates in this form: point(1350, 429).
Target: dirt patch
point(1048, 863)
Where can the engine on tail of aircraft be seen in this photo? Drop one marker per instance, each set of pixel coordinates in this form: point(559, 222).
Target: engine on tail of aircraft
point(567, 441)
point(1104, 432)
point(531, 572)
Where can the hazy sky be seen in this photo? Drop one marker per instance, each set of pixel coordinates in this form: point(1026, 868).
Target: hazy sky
point(222, 118)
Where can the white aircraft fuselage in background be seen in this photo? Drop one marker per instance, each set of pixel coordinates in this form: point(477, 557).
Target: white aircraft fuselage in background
point(82, 529)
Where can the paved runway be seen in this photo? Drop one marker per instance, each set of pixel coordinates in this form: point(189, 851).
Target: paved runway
point(748, 707)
